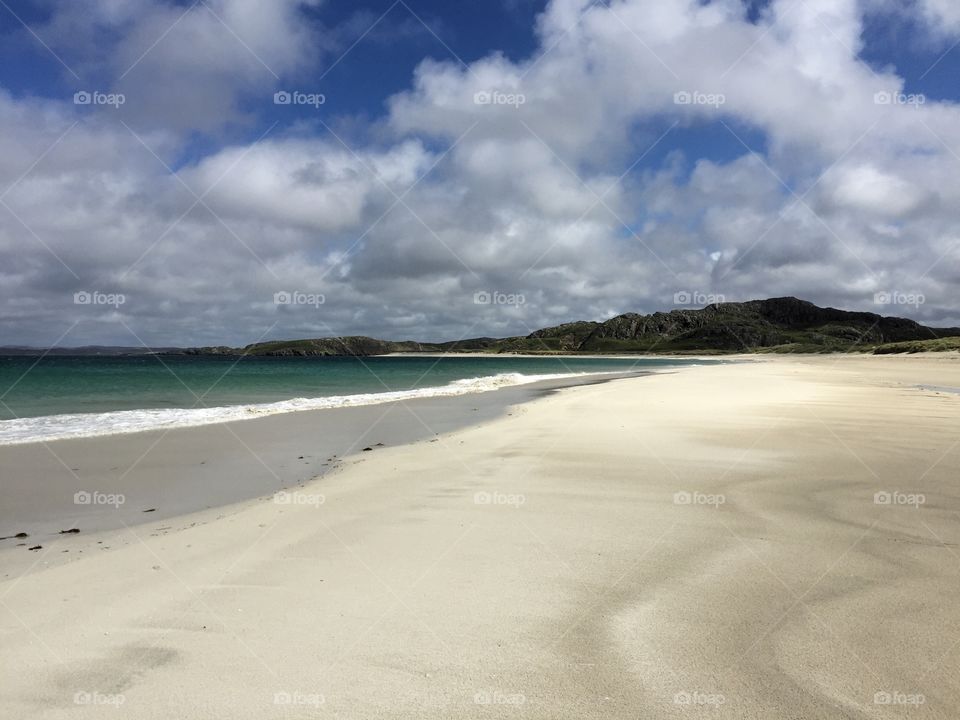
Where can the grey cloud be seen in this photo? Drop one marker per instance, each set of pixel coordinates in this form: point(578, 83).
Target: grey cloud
point(512, 208)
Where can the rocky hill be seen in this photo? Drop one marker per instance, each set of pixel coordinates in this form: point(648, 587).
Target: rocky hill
point(787, 324)
point(775, 325)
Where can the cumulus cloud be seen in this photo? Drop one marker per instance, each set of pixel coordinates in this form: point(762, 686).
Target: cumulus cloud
point(942, 15)
point(547, 176)
point(184, 66)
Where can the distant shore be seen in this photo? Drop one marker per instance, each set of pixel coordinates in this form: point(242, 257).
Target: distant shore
point(747, 540)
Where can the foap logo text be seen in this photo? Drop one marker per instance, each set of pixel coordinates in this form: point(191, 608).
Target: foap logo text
point(286, 497)
point(494, 497)
point(95, 97)
point(684, 497)
point(497, 697)
point(296, 97)
point(885, 97)
point(498, 97)
point(95, 297)
point(296, 297)
point(695, 97)
point(95, 497)
point(696, 697)
point(695, 297)
point(898, 697)
point(83, 697)
point(897, 498)
point(899, 297)
point(297, 697)
point(495, 297)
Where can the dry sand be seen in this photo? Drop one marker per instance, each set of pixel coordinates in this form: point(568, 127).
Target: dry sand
point(706, 542)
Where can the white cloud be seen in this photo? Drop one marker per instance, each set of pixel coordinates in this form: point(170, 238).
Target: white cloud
point(317, 184)
point(184, 67)
point(844, 197)
point(867, 188)
point(942, 15)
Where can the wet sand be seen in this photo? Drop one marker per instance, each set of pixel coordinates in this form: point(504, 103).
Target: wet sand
point(183, 470)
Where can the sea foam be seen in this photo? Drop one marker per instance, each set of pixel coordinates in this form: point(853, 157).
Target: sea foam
point(84, 425)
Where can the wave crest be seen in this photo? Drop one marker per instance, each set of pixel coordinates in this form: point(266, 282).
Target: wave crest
point(83, 425)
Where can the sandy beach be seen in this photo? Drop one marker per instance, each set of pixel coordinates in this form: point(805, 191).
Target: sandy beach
point(778, 538)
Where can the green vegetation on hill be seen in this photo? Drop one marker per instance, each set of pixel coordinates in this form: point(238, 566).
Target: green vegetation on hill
point(779, 325)
point(915, 346)
point(357, 345)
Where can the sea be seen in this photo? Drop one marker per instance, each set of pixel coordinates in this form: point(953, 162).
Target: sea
point(60, 397)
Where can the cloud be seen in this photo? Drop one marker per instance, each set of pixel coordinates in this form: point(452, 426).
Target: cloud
point(184, 66)
point(558, 177)
point(308, 183)
point(943, 16)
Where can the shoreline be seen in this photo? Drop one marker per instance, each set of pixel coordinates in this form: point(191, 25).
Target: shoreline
point(709, 538)
point(76, 418)
point(562, 354)
point(130, 478)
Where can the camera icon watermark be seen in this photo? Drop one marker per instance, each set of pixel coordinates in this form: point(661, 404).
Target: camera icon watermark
point(95, 297)
point(686, 97)
point(897, 498)
point(684, 497)
point(95, 97)
point(284, 497)
point(495, 297)
point(897, 297)
point(296, 97)
point(85, 497)
point(497, 97)
point(695, 297)
point(295, 297)
point(885, 97)
point(498, 498)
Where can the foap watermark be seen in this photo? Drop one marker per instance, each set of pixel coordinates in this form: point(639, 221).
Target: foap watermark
point(295, 297)
point(885, 97)
point(497, 697)
point(685, 97)
point(897, 697)
point(85, 497)
point(498, 97)
point(895, 497)
point(695, 297)
point(298, 698)
point(284, 497)
point(498, 498)
point(97, 698)
point(95, 97)
point(698, 498)
point(495, 297)
point(699, 698)
point(296, 97)
point(95, 297)
point(898, 297)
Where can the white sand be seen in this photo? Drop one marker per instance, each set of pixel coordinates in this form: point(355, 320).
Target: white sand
point(582, 589)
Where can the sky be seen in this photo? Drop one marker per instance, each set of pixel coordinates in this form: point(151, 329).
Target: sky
point(223, 172)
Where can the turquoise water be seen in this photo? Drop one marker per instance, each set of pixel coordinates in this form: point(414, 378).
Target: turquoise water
point(125, 394)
